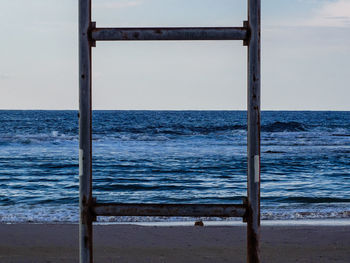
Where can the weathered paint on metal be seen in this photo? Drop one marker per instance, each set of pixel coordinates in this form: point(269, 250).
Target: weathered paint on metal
point(253, 135)
point(169, 33)
point(85, 176)
point(193, 210)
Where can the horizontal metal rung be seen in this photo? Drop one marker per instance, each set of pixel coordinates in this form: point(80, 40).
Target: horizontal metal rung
point(170, 33)
point(206, 210)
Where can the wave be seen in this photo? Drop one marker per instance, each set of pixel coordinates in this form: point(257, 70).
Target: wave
point(308, 200)
point(70, 214)
point(158, 132)
point(274, 152)
point(179, 129)
point(27, 139)
point(278, 126)
point(176, 129)
point(143, 187)
point(340, 135)
point(297, 215)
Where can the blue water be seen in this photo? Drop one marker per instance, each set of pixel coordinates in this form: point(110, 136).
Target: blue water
point(174, 157)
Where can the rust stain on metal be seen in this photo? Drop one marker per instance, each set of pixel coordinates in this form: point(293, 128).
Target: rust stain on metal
point(245, 204)
point(125, 36)
point(253, 247)
point(86, 240)
point(253, 237)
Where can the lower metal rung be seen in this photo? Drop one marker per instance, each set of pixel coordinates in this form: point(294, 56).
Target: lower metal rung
point(182, 210)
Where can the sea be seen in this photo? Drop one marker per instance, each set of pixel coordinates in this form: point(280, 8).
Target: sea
point(174, 157)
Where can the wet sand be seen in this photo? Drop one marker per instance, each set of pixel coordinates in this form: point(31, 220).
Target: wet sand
point(152, 244)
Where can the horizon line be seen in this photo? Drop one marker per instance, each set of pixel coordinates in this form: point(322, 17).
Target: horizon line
point(173, 110)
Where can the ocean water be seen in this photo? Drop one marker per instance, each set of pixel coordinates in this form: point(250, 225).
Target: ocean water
point(174, 157)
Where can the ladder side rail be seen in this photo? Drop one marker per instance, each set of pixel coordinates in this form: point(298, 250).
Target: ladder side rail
point(253, 134)
point(85, 133)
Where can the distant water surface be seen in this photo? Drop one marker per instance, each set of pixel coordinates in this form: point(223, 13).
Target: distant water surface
point(174, 157)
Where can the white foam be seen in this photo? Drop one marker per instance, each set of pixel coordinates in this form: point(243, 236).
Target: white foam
point(70, 214)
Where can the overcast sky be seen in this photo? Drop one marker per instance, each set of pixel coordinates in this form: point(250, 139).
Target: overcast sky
point(305, 56)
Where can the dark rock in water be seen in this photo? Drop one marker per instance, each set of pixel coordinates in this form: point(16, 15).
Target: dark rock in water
point(199, 223)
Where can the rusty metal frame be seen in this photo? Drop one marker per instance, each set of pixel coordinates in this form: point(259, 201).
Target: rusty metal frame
point(193, 210)
point(169, 33)
point(89, 208)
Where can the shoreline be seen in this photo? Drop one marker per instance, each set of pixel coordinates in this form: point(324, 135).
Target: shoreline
point(299, 222)
point(135, 243)
point(287, 222)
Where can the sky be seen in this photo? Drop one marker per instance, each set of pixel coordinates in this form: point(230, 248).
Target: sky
point(305, 56)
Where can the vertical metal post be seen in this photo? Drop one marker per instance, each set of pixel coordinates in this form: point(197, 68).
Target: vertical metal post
point(253, 151)
point(85, 157)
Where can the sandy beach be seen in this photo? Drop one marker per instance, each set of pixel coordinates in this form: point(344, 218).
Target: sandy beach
point(131, 243)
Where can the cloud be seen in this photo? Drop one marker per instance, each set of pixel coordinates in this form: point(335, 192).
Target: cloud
point(332, 14)
point(119, 4)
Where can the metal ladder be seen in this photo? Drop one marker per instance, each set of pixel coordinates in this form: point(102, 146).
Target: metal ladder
point(249, 210)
